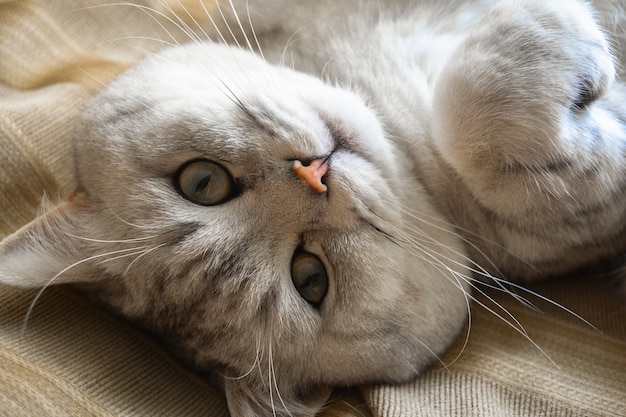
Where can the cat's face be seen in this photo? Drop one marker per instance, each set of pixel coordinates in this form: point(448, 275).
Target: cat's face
point(196, 225)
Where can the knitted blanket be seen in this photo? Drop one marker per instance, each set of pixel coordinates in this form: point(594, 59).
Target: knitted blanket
point(65, 357)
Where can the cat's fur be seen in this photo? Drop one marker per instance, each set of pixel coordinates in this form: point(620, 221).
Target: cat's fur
point(453, 130)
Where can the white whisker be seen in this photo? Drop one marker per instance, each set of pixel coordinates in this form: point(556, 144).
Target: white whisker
point(137, 251)
point(243, 31)
point(193, 19)
point(63, 271)
point(256, 39)
point(275, 382)
point(134, 240)
point(148, 11)
point(230, 30)
point(434, 260)
point(142, 255)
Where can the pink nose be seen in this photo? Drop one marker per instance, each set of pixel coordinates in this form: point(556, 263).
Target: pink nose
point(312, 174)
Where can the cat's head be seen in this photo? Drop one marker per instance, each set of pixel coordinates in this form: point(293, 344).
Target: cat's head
point(192, 221)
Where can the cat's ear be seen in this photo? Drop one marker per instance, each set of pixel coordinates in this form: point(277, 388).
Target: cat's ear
point(247, 399)
point(44, 251)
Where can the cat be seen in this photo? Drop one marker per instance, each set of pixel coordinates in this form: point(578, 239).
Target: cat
point(307, 201)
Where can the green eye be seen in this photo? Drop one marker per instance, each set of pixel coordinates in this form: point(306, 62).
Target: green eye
point(309, 277)
point(204, 182)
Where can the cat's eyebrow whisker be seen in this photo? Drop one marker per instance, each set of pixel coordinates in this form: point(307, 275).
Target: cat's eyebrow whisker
point(292, 39)
point(324, 75)
point(192, 35)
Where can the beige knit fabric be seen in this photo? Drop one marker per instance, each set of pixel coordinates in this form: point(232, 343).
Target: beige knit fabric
point(71, 359)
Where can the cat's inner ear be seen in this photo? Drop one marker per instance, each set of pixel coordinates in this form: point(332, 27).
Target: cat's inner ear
point(45, 252)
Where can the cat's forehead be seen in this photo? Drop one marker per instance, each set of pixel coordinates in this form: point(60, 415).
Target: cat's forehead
point(254, 120)
point(175, 104)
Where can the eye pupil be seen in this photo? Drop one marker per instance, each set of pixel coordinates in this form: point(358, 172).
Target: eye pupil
point(204, 182)
point(309, 277)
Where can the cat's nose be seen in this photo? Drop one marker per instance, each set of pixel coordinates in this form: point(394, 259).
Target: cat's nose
point(312, 173)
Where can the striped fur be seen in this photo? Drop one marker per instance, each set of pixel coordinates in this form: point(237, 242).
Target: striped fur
point(465, 141)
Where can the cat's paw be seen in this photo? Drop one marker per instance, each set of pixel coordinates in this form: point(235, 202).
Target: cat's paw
point(571, 42)
point(510, 92)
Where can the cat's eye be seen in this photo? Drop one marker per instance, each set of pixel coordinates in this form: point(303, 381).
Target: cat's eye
point(204, 182)
point(309, 277)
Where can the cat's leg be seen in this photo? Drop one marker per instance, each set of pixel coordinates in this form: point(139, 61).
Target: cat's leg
point(529, 114)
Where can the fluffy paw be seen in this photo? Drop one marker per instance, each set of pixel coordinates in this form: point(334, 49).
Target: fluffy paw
point(508, 95)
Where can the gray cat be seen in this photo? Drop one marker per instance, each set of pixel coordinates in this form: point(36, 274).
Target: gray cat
point(309, 206)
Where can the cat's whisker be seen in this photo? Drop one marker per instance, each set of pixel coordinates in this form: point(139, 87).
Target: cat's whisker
point(271, 377)
point(500, 285)
point(144, 51)
point(520, 330)
point(427, 239)
point(148, 11)
point(481, 271)
point(324, 75)
point(230, 30)
point(467, 333)
point(256, 39)
point(290, 41)
point(243, 31)
point(127, 223)
point(444, 226)
point(353, 409)
point(515, 324)
point(137, 250)
point(182, 25)
point(213, 23)
point(134, 240)
point(455, 275)
point(548, 300)
point(59, 274)
point(146, 252)
point(196, 23)
point(256, 364)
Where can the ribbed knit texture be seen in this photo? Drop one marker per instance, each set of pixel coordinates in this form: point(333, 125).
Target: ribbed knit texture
point(71, 359)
